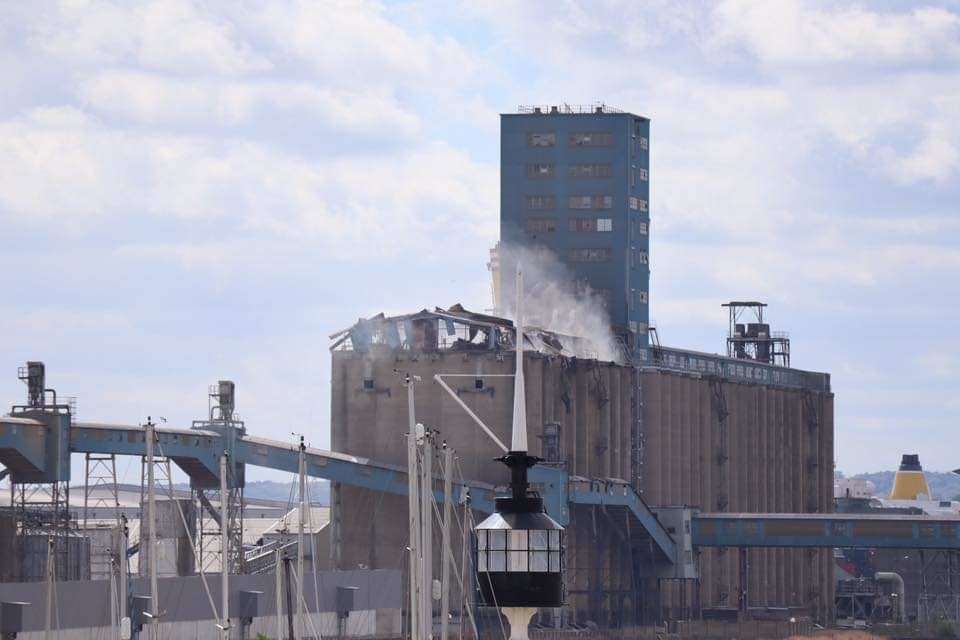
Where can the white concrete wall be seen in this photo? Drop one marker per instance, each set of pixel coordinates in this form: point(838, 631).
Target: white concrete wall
point(359, 624)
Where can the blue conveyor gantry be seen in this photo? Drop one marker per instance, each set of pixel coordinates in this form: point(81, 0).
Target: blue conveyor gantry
point(197, 453)
point(31, 446)
point(835, 530)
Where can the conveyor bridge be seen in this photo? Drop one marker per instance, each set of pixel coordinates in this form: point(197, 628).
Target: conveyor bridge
point(25, 449)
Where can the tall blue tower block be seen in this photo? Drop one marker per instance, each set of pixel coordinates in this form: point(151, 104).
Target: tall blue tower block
point(575, 200)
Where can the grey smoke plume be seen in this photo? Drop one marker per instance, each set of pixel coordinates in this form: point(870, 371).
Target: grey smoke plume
point(554, 300)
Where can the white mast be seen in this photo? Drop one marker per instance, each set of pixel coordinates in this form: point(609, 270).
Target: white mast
point(122, 561)
point(152, 529)
point(426, 531)
point(445, 546)
point(224, 549)
point(278, 593)
point(51, 570)
point(413, 492)
point(300, 523)
point(114, 620)
point(519, 438)
point(519, 617)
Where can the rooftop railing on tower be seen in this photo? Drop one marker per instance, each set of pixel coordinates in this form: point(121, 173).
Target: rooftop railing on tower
point(596, 107)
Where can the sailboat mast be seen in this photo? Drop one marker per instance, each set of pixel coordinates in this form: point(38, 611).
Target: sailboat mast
point(152, 527)
point(224, 549)
point(300, 524)
point(413, 490)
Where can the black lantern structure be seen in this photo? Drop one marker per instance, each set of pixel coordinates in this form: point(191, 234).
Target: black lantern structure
point(519, 549)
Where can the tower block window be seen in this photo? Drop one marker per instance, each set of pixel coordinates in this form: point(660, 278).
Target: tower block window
point(545, 139)
point(591, 139)
point(540, 203)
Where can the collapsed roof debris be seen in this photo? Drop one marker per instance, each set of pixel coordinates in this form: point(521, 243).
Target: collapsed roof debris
point(454, 329)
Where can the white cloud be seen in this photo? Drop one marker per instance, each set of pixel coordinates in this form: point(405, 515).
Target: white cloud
point(936, 157)
point(942, 362)
point(66, 168)
point(168, 35)
point(903, 126)
point(347, 42)
point(792, 32)
point(155, 100)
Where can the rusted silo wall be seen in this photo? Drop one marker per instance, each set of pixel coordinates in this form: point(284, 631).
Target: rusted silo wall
point(723, 446)
point(717, 445)
point(592, 403)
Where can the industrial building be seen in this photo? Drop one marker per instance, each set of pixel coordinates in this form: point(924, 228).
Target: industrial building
point(742, 433)
point(575, 184)
point(689, 485)
point(693, 429)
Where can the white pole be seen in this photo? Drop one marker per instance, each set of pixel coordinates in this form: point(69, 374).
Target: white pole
point(445, 552)
point(426, 506)
point(413, 494)
point(123, 569)
point(224, 549)
point(114, 621)
point(152, 529)
point(298, 628)
point(278, 589)
point(50, 571)
point(519, 439)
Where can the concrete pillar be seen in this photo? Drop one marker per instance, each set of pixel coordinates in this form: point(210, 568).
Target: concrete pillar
point(573, 424)
point(666, 422)
point(707, 497)
point(616, 435)
point(684, 451)
point(631, 397)
point(654, 441)
point(734, 448)
point(583, 434)
point(560, 412)
point(606, 421)
point(696, 442)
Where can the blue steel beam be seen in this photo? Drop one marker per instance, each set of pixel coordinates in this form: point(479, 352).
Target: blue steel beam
point(825, 530)
point(350, 470)
point(23, 444)
point(198, 452)
point(618, 493)
point(190, 448)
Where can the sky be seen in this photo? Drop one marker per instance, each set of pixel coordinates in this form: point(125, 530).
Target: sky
point(192, 191)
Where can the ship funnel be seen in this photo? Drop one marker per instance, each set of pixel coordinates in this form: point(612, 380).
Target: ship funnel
point(910, 483)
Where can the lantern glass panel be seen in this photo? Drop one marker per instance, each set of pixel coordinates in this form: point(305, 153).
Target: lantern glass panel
point(518, 539)
point(554, 561)
point(538, 540)
point(497, 539)
point(518, 561)
point(554, 540)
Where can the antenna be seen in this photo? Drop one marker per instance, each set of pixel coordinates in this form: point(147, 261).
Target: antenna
point(518, 442)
